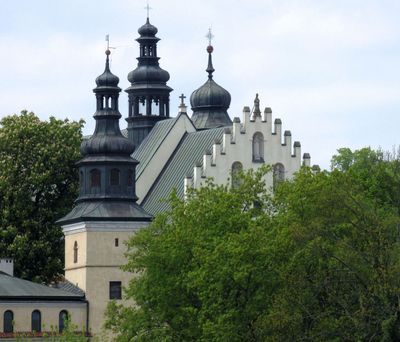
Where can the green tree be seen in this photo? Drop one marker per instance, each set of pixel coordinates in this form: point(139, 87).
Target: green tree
point(204, 268)
point(339, 279)
point(317, 262)
point(38, 185)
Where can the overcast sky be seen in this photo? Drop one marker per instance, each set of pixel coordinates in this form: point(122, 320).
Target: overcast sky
point(329, 69)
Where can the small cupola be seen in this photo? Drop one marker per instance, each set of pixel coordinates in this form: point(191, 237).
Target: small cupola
point(210, 102)
point(148, 94)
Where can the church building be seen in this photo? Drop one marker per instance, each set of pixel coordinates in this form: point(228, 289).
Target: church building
point(126, 174)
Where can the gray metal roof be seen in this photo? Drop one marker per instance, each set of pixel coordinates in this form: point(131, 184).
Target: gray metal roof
point(181, 163)
point(151, 143)
point(106, 211)
point(12, 288)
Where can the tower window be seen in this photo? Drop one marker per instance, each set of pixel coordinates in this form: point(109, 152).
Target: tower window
point(258, 147)
point(115, 290)
point(116, 242)
point(130, 178)
point(237, 168)
point(114, 177)
point(62, 320)
point(95, 178)
point(8, 319)
point(36, 321)
point(81, 178)
point(75, 252)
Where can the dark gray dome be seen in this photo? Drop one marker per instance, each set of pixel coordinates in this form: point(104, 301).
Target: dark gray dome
point(148, 74)
point(210, 94)
point(106, 144)
point(107, 78)
point(210, 102)
point(147, 30)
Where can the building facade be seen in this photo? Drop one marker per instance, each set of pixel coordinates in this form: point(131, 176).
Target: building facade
point(125, 175)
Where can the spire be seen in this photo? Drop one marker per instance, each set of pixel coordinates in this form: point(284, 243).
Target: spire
point(210, 69)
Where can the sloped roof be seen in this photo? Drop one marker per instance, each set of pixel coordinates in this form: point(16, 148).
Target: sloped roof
point(189, 152)
point(12, 288)
point(151, 143)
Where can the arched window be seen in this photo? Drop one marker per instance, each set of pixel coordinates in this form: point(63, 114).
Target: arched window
point(8, 323)
point(279, 174)
point(258, 147)
point(114, 177)
point(75, 252)
point(130, 179)
point(81, 178)
point(95, 178)
point(237, 168)
point(62, 318)
point(36, 321)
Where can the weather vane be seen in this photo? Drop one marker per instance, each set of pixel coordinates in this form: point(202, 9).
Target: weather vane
point(148, 8)
point(209, 36)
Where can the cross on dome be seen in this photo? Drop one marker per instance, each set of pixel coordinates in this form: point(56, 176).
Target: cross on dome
point(148, 8)
point(209, 36)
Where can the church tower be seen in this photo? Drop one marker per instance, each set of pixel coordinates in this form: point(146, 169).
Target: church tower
point(210, 102)
point(148, 94)
point(106, 213)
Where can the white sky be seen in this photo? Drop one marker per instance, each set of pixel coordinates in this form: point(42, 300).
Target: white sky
point(328, 69)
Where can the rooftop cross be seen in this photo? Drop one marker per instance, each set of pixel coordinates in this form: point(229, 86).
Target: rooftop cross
point(182, 97)
point(108, 41)
point(209, 36)
point(148, 8)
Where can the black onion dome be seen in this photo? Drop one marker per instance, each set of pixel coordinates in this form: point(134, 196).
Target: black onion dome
point(210, 102)
point(107, 144)
point(148, 74)
point(148, 29)
point(210, 94)
point(107, 78)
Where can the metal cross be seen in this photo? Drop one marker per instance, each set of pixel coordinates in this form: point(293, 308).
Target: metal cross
point(108, 41)
point(209, 36)
point(182, 97)
point(148, 8)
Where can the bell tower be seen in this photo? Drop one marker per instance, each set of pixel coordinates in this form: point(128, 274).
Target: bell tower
point(106, 213)
point(148, 94)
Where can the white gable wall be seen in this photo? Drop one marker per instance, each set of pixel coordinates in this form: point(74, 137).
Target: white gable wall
point(237, 146)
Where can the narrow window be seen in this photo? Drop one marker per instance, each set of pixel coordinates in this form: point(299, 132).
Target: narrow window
point(81, 179)
point(75, 252)
point(130, 178)
point(8, 321)
point(258, 147)
point(237, 168)
point(36, 321)
point(278, 175)
point(62, 319)
point(95, 180)
point(116, 242)
point(114, 177)
point(115, 290)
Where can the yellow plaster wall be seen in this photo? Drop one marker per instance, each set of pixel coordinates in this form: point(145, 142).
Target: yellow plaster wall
point(50, 315)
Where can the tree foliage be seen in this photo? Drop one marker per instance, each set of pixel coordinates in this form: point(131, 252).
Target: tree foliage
point(38, 184)
point(317, 262)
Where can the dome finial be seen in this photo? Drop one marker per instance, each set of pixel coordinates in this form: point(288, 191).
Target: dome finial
point(210, 69)
point(148, 8)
